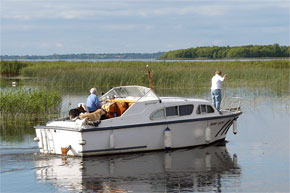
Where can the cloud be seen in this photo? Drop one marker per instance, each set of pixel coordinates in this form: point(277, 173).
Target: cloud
point(125, 27)
point(149, 25)
point(41, 44)
point(217, 42)
point(59, 44)
point(39, 9)
point(68, 10)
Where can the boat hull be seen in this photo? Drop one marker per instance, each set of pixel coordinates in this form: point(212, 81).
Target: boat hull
point(134, 138)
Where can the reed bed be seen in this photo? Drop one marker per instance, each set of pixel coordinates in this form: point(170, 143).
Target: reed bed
point(11, 68)
point(171, 75)
point(21, 109)
point(29, 103)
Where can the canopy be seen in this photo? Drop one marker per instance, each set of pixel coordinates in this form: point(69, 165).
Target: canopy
point(134, 92)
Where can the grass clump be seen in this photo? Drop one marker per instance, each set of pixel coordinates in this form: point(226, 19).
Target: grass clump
point(29, 103)
point(11, 68)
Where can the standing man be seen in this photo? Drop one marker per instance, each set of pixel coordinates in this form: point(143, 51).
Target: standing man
point(216, 86)
point(93, 102)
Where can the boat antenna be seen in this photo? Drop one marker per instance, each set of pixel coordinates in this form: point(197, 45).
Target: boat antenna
point(149, 78)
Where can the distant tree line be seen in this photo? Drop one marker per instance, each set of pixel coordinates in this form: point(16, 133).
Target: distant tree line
point(85, 56)
point(216, 52)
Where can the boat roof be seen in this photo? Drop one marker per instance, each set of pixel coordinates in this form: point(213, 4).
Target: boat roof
point(141, 93)
point(182, 99)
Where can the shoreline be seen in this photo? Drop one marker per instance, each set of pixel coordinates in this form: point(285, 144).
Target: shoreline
point(154, 60)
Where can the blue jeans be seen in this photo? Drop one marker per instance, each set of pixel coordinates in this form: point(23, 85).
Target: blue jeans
point(216, 96)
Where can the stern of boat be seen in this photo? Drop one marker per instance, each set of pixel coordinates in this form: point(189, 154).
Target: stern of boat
point(57, 141)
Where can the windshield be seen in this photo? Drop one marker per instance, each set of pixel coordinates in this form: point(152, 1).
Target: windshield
point(130, 92)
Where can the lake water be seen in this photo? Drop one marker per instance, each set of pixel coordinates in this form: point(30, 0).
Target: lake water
point(254, 160)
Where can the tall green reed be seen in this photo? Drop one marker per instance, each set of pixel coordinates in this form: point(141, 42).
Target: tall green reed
point(29, 103)
point(11, 68)
point(185, 75)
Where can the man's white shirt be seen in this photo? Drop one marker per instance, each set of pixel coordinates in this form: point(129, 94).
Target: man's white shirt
point(216, 82)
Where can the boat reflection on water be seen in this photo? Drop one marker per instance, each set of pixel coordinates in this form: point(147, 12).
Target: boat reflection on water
point(195, 169)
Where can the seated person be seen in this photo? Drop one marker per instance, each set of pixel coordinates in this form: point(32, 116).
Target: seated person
point(93, 102)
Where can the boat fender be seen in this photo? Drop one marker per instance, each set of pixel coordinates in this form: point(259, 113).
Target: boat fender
point(235, 127)
point(112, 141)
point(167, 138)
point(36, 139)
point(207, 134)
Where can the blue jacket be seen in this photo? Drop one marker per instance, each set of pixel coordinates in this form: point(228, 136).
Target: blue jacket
point(93, 103)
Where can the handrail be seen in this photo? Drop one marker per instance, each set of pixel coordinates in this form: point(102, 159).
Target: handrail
point(234, 106)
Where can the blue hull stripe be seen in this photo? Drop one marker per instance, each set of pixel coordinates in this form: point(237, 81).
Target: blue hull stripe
point(143, 125)
point(223, 127)
point(227, 128)
point(159, 123)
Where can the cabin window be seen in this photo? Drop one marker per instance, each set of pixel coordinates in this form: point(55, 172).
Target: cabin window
point(198, 110)
point(209, 109)
point(181, 110)
point(203, 109)
point(185, 110)
point(158, 114)
point(171, 111)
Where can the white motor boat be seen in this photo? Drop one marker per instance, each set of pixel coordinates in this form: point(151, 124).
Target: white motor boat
point(139, 120)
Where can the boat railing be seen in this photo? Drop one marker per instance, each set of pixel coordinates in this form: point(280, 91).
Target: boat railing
point(232, 105)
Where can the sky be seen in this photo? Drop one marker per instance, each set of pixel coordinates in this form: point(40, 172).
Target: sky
point(44, 27)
